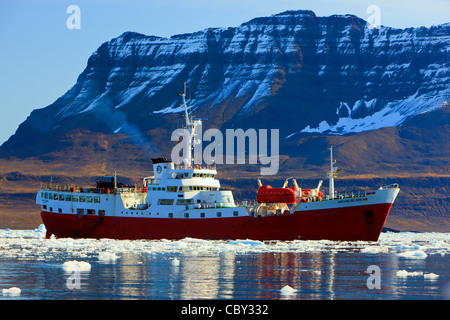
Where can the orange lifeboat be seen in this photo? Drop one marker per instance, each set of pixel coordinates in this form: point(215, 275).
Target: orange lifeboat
point(267, 194)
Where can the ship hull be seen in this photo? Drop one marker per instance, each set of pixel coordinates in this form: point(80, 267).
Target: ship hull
point(362, 222)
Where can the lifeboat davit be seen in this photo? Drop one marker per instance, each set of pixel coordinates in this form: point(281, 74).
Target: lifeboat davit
point(267, 194)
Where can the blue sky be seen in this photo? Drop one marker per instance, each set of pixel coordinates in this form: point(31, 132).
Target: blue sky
point(40, 58)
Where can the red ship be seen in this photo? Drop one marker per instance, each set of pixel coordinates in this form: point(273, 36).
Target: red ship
point(186, 201)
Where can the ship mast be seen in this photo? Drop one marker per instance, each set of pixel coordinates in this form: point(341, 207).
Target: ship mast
point(333, 173)
point(190, 127)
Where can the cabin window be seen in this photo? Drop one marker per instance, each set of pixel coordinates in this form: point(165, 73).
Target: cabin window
point(184, 201)
point(90, 211)
point(96, 199)
point(170, 215)
point(67, 197)
point(235, 213)
point(171, 189)
point(55, 197)
point(202, 214)
point(165, 202)
point(219, 214)
point(80, 212)
point(50, 196)
point(101, 212)
point(186, 215)
point(89, 199)
point(44, 207)
point(75, 198)
point(59, 210)
point(61, 197)
point(82, 198)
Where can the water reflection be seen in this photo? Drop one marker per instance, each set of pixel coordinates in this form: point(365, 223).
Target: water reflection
point(230, 275)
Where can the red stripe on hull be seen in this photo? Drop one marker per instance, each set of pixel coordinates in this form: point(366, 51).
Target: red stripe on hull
point(346, 223)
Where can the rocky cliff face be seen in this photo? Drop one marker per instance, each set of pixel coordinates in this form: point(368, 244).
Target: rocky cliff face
point(293, 71)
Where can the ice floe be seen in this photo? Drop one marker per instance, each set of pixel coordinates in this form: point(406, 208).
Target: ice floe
point(81, 266)
point(32, 244)
point(427, 276)
point(13, 291)
point(287, 290)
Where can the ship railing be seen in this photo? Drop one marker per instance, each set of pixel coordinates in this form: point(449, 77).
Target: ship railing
point(196, 166)
point(363, 193)
point(57, 187)
point(75, 188)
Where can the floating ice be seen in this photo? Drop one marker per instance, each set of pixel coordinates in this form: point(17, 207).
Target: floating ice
point(426, 276)
point(175, 262)
point(404, 274)
point(287, 290)
point(82, 266)
point(32, 244)
point(107, 256)
point(13, 291)
point(431, 276)
point(416, 254)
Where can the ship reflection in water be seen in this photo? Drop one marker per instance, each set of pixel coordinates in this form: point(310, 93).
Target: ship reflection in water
point(314, 276)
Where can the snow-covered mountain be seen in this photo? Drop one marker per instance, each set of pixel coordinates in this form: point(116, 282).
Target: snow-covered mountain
point(293, 71)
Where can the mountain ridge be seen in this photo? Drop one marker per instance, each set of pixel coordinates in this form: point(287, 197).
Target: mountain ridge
point(332, 75)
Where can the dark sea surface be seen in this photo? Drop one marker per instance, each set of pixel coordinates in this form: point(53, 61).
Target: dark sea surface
point(400, 266)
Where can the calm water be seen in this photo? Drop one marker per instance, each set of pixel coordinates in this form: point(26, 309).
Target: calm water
point(410, 266)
